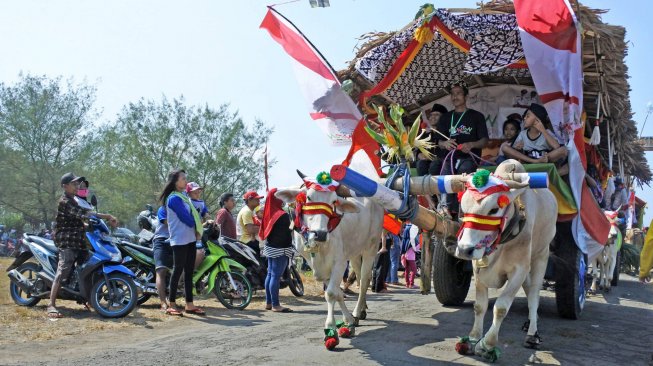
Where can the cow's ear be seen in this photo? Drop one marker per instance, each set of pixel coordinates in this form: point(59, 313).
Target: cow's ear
point(287, 195)
point(344, 205)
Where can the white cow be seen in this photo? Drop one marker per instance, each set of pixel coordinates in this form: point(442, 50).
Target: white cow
point(356, 236)
point(490, 213)
point(605, 261)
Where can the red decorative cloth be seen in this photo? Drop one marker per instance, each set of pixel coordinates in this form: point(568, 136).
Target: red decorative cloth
point(272, 212)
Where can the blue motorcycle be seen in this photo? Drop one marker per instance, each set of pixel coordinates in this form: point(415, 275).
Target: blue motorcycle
point(101, 280)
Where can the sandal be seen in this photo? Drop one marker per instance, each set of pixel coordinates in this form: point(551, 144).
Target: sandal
point(53, 313)
point(172, 311)
point(196, 311)
point(284, 310)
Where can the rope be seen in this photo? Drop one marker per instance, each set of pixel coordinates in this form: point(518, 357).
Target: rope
point(409, 205)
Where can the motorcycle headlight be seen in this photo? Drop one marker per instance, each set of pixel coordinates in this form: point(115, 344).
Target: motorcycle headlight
point(116, 257)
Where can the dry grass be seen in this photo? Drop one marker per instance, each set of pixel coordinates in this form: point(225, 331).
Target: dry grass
point(19, 324)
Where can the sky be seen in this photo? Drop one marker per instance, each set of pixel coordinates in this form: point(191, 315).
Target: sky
point(213, 52)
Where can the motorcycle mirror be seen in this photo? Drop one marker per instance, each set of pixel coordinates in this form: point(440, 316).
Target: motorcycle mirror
point(94, 200)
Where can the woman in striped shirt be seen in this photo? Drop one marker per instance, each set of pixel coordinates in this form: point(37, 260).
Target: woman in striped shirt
point(276, 231)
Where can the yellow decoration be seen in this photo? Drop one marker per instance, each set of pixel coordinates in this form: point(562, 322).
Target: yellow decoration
point(423, 35)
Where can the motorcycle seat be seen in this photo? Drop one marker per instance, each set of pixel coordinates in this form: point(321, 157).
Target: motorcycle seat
point(145, 250)
point(45, 243)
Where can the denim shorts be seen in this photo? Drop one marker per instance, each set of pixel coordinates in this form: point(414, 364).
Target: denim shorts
point(162, 253)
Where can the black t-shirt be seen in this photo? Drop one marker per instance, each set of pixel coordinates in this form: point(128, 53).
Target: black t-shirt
point(468, 126)
point(281, 234)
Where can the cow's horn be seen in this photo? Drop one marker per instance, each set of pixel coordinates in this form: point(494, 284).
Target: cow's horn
point(301, 175)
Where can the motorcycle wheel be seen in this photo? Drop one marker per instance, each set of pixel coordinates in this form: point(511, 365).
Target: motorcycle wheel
point(144, 276)
point(238, 298)
point(294, 281)
point(118, 304)
point(29, 270)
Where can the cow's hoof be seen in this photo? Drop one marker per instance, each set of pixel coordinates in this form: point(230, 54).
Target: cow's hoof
point(356, 321)
point(345, 330)
point(533, 341)
point(363, 315)
point(490, 355)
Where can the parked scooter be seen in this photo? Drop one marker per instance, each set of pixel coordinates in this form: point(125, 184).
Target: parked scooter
point(102, 280)
point(218, 273)
point(257, 267)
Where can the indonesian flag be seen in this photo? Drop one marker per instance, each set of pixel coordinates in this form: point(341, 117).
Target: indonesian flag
point(332, 109)
point(552, 44)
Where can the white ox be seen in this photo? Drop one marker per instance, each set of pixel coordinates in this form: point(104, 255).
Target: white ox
point(356, 238)
point(520, 261)
point(604, 262)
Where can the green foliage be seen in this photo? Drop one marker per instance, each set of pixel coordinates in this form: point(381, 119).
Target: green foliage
point(131, 158)
point(49, 127)
point(43, 123)
point(12, 220)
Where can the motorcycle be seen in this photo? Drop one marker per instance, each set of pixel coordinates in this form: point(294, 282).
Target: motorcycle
point(218, 273)
point(101, 280)
point(257, 267)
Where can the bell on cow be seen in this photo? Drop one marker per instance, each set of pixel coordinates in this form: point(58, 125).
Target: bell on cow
point(483, 262)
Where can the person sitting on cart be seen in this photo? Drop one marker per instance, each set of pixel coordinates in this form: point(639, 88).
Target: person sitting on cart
point(466, 133)
point(537, 143)
point(426, 165)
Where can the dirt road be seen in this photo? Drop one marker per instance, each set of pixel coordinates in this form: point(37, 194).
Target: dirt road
point(403, 328)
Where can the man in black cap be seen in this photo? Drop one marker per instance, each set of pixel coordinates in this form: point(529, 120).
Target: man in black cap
point(69, 235)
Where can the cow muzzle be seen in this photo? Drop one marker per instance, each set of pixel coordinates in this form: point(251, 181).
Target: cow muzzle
point(321, 236)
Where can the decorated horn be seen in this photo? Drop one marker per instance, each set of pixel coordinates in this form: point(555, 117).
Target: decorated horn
point(301, 175)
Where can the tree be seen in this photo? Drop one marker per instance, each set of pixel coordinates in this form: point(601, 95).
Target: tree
point(131, 158)
point(42, 130)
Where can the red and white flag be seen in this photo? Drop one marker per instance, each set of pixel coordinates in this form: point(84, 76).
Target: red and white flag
point(552, 44)
point(333, 110)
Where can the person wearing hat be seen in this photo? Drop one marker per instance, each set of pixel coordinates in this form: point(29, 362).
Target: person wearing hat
point(245, 220)
point(194, 192)
point(432, 166)
point(82, 191)
point(619, 199)
point(225, 218)
point(69, 235)
point(536, 143)
point(466, 134)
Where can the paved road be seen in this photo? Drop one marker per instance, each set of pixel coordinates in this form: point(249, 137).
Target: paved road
point(403, 328)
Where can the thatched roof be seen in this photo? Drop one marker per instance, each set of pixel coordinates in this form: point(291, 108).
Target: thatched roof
point(605, 74)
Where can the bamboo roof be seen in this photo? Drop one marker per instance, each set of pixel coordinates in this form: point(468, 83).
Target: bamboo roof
point(605, 77)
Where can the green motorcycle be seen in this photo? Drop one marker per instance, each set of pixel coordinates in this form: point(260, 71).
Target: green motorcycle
point(217, 273)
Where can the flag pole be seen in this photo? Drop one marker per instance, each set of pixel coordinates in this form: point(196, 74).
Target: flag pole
point(265, 169)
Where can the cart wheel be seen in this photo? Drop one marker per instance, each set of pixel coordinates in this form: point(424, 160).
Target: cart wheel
point(450, 279)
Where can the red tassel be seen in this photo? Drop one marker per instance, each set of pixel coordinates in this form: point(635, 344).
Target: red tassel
point(330, 343)
point(460, 195)
point(344, 332)
point(462, 348)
